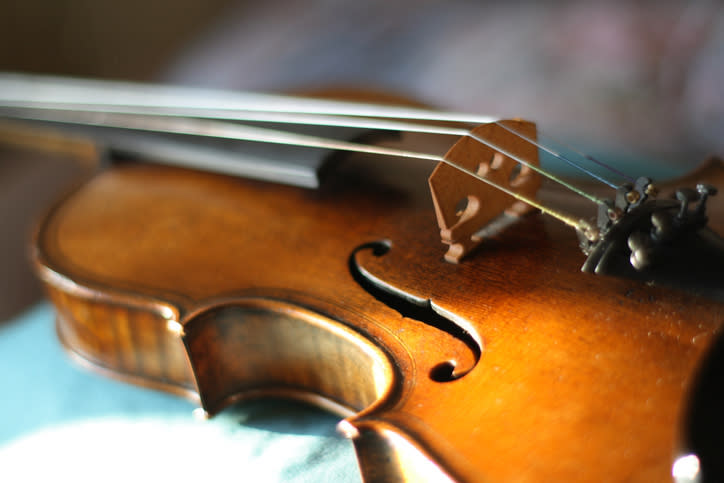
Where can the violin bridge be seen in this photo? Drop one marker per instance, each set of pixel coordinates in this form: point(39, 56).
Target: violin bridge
point(464, 204)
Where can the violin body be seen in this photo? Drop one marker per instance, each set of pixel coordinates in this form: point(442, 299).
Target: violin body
point(222, 288)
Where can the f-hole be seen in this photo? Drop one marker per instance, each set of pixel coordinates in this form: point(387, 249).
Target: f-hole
point(413, 308)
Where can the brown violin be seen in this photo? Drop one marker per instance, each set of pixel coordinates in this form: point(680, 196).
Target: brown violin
point(472, 316)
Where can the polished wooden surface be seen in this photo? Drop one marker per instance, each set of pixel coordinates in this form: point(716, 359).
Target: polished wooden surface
point(222, 288)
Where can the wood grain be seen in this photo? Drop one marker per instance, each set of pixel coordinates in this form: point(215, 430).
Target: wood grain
point(581, 376)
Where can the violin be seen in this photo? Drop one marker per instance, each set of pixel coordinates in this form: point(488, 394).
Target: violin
point(470, 315)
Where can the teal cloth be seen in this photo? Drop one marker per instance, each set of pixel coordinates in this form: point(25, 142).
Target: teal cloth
point(61, 422)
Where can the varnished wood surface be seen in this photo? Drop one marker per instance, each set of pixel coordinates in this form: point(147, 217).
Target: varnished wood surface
point(581, 377)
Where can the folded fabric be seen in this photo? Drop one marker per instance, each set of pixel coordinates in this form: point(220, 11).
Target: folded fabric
point(59, 421)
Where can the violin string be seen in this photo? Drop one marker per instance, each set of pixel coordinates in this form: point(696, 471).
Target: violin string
point(590, 158)
point(41, 89)
point(583, 155)
point(323, 120)
point(225, 130)
point(535, 168)
point(561, 156)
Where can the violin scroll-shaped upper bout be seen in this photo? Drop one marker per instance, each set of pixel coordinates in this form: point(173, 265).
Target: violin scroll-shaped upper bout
point(464, 203)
